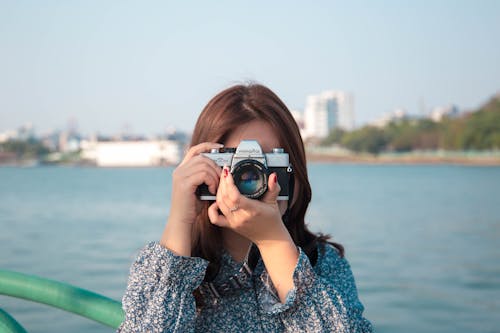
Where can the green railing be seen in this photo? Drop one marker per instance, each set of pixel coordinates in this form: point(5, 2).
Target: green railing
point(57, 294)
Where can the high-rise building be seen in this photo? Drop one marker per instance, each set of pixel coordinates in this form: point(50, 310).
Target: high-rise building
point(299, 119)
point(345, 114)
point(326, 111)
point(320, 115)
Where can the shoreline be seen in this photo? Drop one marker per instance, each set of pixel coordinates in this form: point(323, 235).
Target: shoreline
point(403, 160)
point(412, 158)
point(353, 160)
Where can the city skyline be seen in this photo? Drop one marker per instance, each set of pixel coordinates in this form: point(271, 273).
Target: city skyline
point(155, 66)
point(343, 119)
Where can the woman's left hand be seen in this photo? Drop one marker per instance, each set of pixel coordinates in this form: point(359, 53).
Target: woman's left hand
point(260, 222)
point(257, 220)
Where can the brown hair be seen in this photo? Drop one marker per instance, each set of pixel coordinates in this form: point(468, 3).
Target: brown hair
point(229, 109)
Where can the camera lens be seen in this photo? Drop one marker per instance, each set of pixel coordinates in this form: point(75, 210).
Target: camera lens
point(250, 177)
point(249, 181)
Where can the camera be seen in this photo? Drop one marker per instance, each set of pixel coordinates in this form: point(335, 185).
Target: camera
point(251, 168)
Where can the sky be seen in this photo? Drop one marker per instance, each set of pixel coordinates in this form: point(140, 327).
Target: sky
point(148, 66)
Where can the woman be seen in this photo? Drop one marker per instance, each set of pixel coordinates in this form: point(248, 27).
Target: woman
point(238, 264)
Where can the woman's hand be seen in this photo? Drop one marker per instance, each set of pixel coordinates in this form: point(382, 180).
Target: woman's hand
point(194, 170)
point(257, 220)
point(260, 222)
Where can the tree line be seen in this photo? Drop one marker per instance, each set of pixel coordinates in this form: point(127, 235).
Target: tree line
point(477, 130)
point(28, 148)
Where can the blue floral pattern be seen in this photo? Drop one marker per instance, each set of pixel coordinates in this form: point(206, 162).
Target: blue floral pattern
point(159, 297)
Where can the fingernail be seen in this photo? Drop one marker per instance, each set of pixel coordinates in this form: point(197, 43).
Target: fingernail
point(226, 172)
point(275, 179)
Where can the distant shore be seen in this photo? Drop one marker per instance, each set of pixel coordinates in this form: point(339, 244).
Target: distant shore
point(434, 157)
point(335, 157)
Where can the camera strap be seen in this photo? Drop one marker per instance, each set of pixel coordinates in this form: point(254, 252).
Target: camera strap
point(241, 280)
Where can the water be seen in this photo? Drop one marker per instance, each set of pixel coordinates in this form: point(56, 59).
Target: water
point(423, 241)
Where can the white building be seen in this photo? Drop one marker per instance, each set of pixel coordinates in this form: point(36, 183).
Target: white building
point(438, 113)
point(23, 133)
point(397, 114)
point(8, 135)
point(131, 153)
point(345, 115)
point(299, 119)
point(328, 110)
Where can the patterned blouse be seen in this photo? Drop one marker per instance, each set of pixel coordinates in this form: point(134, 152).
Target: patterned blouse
point(159, 297)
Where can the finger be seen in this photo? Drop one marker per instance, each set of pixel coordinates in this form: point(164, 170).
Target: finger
point(215, 217)
point(198, 160)
point(217, 169)
point(201, 148)
point(202, 175)
point(201, 164)
point(230, 193)
point(225, 204)
point(233, 193)
point(222, 186)
point(221, 193)
point(198, 179)
point(221, 205)
point(202, 160)
point(273, 189)
point(205, 161)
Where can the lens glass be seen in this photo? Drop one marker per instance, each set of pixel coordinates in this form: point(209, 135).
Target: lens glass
point(250, 180)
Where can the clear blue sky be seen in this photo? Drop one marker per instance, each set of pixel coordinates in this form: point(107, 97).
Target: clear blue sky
point(154, 64)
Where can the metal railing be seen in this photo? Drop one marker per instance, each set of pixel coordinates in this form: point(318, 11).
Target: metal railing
point(56, 294)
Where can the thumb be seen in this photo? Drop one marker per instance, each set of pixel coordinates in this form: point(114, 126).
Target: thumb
point(215, 217)
point(273, 189)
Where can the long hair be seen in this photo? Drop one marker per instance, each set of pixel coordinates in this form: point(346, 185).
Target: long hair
point(226, 111)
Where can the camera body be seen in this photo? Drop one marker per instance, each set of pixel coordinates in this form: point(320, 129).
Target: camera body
point(251, 168)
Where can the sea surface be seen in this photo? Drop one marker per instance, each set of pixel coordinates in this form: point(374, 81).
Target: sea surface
point(423, 241)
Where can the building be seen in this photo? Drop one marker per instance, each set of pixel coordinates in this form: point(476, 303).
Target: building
point(23, 133)
point(326, 111)
point(299, 119)
point(438, 113)
point(68, 142)
point(320, 116)
point(396, 115)
point(131, 153)
point(8, 135)
point(345, 115)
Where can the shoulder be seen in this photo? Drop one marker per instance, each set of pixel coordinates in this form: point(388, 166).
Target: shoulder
point(330, 260)
point(327, 251)
point(334, 269)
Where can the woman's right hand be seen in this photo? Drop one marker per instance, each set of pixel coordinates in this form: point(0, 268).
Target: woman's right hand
point(194, 170)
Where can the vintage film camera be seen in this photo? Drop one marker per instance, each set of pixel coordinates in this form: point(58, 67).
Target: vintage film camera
point(251, 168)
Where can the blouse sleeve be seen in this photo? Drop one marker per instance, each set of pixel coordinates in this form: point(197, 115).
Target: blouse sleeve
point(159, 296)
point(324, 298)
